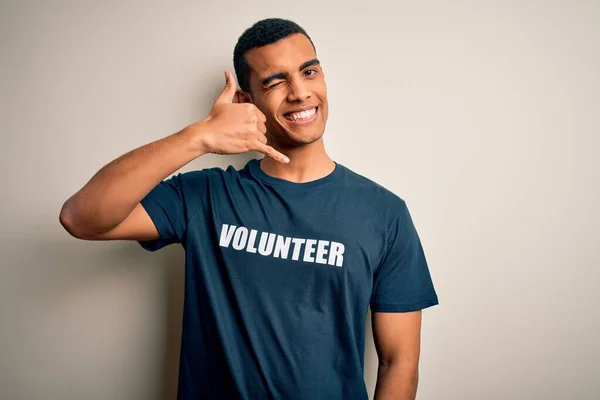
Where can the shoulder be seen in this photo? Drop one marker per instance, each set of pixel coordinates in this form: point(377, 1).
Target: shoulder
point(372, 192)
point(206, 174)
point(210, 178)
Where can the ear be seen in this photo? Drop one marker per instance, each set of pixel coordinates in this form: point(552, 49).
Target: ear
point(242, 97)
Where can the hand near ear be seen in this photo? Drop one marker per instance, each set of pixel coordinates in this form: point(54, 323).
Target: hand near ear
point(234, 128)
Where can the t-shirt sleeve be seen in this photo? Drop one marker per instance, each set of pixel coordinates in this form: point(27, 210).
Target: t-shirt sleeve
point(402, 282)
point(167, 205)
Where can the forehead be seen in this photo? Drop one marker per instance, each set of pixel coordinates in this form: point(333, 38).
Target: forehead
point(285, 55)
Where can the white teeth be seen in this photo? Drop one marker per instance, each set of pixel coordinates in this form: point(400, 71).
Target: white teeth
point(302, 114)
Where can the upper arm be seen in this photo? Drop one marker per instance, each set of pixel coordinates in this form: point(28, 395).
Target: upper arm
point(402, 288)
point(162, 216)
point(137, 226)
point(397, 336)
point(402, 281)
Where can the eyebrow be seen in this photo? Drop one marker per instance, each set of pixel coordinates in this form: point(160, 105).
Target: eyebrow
point(282, 75)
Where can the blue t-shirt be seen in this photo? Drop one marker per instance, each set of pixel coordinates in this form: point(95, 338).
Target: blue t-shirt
point(279, 277)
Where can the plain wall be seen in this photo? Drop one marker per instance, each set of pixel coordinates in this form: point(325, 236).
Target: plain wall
point(483, 116)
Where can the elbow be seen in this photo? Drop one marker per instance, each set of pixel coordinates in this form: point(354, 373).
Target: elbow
point(68, 218)
point(80, 222)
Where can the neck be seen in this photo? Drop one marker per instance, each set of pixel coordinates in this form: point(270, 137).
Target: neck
point(307, 163)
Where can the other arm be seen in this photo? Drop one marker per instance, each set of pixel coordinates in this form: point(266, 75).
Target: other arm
point(397, 337)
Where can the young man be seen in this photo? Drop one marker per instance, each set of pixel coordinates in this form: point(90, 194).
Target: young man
point(283, 257)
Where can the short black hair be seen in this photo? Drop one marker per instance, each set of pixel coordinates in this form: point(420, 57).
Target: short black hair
point(262, 33)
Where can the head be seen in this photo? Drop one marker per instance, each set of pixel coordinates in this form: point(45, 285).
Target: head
point(278, 71)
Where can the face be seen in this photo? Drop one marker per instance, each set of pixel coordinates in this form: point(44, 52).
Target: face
point(288, 86)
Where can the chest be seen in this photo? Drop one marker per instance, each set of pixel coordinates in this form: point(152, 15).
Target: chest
point(310, 244)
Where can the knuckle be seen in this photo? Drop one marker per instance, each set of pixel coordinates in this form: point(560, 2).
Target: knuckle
point(248, 145)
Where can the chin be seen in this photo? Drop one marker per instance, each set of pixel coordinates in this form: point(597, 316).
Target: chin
point(286, 136)
point(302, 139)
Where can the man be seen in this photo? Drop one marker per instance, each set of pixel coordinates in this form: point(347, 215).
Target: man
point(283, 257)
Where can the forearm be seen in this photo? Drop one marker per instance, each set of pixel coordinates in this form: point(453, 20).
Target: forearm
point(397, 381)
point(113, 192)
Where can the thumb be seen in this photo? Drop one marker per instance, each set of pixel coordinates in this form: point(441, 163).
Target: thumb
point(229, 91)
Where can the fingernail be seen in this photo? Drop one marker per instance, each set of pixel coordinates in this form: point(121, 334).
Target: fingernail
point(286, 160)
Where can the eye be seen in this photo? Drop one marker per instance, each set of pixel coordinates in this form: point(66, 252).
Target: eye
point(310, 72)
point(275, 84)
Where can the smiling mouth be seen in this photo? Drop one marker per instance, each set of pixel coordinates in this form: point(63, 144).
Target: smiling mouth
point(302, 117)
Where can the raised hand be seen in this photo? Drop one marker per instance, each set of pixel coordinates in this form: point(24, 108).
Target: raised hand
point(234, 128)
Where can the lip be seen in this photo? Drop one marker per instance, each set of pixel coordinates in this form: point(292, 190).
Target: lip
point(301, 109)
point(306, 121)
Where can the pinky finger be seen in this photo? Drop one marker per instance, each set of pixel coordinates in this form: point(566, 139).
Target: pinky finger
point(271, 152)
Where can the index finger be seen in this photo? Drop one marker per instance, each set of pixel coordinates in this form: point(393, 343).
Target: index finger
point(261, 116)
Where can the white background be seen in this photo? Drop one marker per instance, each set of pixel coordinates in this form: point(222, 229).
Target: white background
point(483, 116)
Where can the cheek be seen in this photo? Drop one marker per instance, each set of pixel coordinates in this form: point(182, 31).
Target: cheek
point(321, 91)
point(270, 105)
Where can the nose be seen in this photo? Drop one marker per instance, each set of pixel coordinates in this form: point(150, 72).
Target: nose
point(298, 91)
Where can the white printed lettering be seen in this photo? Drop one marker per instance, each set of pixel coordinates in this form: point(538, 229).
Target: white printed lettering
point(336, 255)
point(265, 247)
point(322, 252)
point(226, 235)
point(277, 246)
point(297, 247)
point(251, 241)
point(309, 249)
point(240, 238)
point(282, 247)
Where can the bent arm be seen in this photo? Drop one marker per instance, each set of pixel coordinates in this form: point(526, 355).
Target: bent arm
point(108, 206)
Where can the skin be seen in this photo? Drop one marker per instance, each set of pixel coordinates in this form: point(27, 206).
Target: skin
point(397, 338)
point(295, 81)
point(284, 78)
